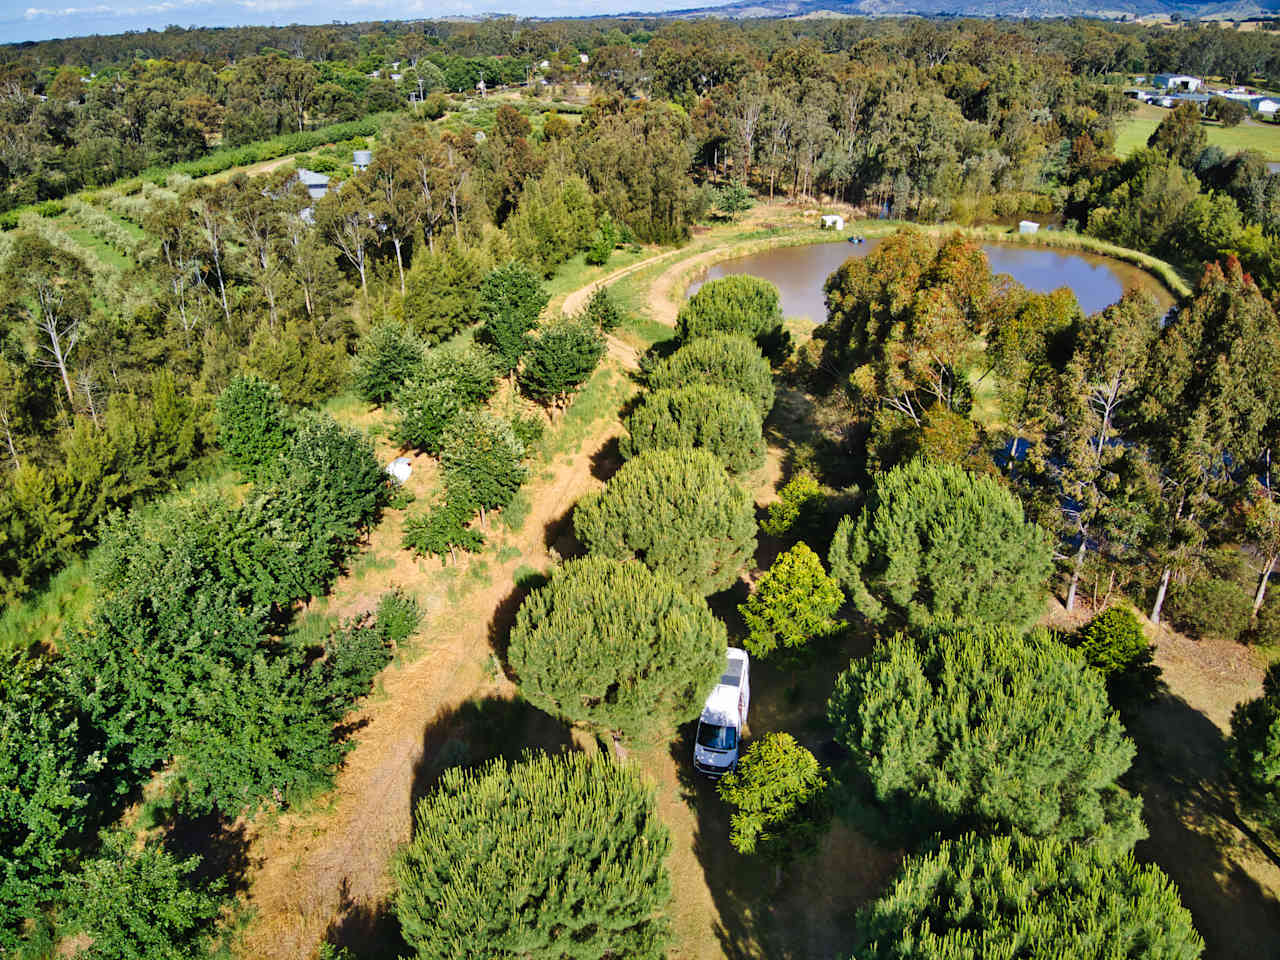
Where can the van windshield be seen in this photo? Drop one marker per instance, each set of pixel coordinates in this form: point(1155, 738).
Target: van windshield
point(715, 737)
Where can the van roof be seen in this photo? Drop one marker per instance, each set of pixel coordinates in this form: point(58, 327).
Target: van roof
point(722, 703)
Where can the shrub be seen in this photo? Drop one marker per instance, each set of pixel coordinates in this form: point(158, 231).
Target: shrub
point(723, 360)
point(1211, 607)
point(1253, 750)
point(794, 602)
point(737, 304)
point(443, 529)
point(982, 728)
point(388, 357)
point(1113, 644)
point(253, 424)
point(549, 857)
point(936, 543)
point(678, 512)
point(798, 503)
point(561, 357)
point(603, 311)
point(425, 408)
point(1013, 896)
point(616, 646)
point(133, 903)
point(780, 796)
point(721, 421)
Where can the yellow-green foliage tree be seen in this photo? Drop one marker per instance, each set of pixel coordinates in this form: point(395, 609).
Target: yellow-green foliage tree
point(794, 602)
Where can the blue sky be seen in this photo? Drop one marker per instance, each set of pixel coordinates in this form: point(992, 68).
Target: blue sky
point(42, 19)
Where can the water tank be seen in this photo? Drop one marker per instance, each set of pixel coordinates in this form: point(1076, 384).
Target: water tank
point(362, 158)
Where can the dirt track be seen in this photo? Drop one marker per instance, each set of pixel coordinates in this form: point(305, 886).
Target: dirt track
point(317, 874)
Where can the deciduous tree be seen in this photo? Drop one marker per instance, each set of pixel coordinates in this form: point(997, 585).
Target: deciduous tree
point(480, 452)
point(561, 357)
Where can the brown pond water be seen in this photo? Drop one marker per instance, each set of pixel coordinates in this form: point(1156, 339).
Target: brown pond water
point(800, 272)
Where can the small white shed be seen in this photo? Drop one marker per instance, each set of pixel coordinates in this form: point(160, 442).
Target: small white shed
point(832, 221)
point(1028, 226)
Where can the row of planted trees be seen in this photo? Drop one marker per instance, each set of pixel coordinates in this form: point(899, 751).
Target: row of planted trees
point(187, 680)
point(990, 752)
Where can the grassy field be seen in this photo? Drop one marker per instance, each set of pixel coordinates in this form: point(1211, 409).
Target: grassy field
point(1133, 131)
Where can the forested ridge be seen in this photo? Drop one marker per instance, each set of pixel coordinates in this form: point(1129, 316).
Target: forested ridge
point(185, 328)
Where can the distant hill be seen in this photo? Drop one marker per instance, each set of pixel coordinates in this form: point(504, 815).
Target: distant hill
point(1113, 9)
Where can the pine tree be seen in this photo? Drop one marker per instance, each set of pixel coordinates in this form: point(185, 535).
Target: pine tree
point(678, 512)
point(602, 310)
point(1253, 750)
point(977, 898)
point(562, 356)
point(1113, 644)
point(956, 728)
point(780, 794)
point(794, 602)
point(551, 857)
point(798, 505)
point(737, 304)
point(723, 360)
point(936, 543)
point(618, 647)
point(720, 421)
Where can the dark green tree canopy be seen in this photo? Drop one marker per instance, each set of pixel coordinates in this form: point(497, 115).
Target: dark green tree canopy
point(510, 299)
point(1253, 751)
point(1180, 135)
point(551, 857)
point(143, 903)
point(678, 512)
point(253, 424)
point(724, 360)
point(425, 409)
point(443, 291)
point(740, 304)
point(983, 728)
point(471, 367)
point(937, 543)
point(614, 645)
point(721, 421)
point(562, 356)
point(977, 898)
point(389, 355)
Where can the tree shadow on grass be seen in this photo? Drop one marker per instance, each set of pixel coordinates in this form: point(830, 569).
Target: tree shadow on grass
point(558, 535)
point(607, 460)
point(1226, 873)
point(470, 736)
point(222, 846)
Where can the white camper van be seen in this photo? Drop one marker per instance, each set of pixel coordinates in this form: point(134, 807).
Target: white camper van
point(715, 751)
